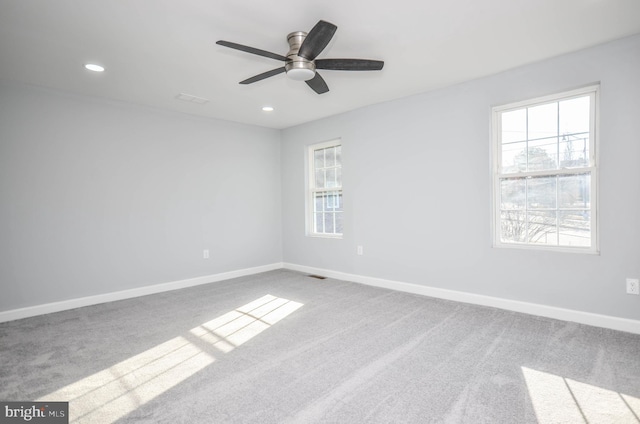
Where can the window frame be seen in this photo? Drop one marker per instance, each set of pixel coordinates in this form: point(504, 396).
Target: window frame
point(311, 190)
point(593, 167)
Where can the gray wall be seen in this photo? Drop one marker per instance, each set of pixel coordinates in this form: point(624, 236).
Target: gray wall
point(417, 189)
point(99, 196)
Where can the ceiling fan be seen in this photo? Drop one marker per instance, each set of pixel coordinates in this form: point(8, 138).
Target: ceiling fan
point(301, 64)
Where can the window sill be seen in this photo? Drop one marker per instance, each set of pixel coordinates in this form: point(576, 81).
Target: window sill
point(561, 249)
point(326, 236)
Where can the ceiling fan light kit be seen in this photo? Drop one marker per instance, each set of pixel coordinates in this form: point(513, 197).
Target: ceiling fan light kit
point(300, 61)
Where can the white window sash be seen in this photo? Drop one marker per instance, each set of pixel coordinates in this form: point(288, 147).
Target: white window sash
point(312, 191)
point(591, 168)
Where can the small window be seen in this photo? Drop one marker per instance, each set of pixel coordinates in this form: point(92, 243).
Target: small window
point(324, 194)
point(545, 172)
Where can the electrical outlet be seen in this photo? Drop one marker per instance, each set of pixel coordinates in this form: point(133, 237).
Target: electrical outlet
point(205, 254)
point(633, 286)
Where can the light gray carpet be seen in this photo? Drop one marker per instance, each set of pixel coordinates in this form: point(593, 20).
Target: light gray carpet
point(323, 351)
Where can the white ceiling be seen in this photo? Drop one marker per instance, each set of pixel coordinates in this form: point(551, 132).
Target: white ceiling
point(155, 49)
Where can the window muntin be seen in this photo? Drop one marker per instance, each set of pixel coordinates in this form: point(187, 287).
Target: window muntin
point(325, 189)
point(545, 172)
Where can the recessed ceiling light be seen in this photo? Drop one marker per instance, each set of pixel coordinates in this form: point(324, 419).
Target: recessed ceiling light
point(267, 108)
point(93, 67)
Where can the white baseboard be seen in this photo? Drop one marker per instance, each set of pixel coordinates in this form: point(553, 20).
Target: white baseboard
point(597, 320)
point(128, 294)
point(604, 321)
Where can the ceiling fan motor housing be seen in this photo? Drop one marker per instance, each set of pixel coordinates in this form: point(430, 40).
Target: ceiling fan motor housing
point(298, 68)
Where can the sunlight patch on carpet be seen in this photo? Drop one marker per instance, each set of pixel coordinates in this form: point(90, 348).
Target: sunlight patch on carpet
point(557, 399)
point(111, 394)
point(238, 326)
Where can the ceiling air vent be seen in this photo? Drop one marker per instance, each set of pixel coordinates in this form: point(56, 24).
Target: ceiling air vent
point(192, 99)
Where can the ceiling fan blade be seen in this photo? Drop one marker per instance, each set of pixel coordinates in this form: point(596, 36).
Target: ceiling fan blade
point(317, 84)
point(251, 50)
point(263, 75)
point(349, 64)
point(317, 40)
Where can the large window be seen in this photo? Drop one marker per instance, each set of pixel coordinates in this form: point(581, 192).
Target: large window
point(545, 172)
point(324, 195)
